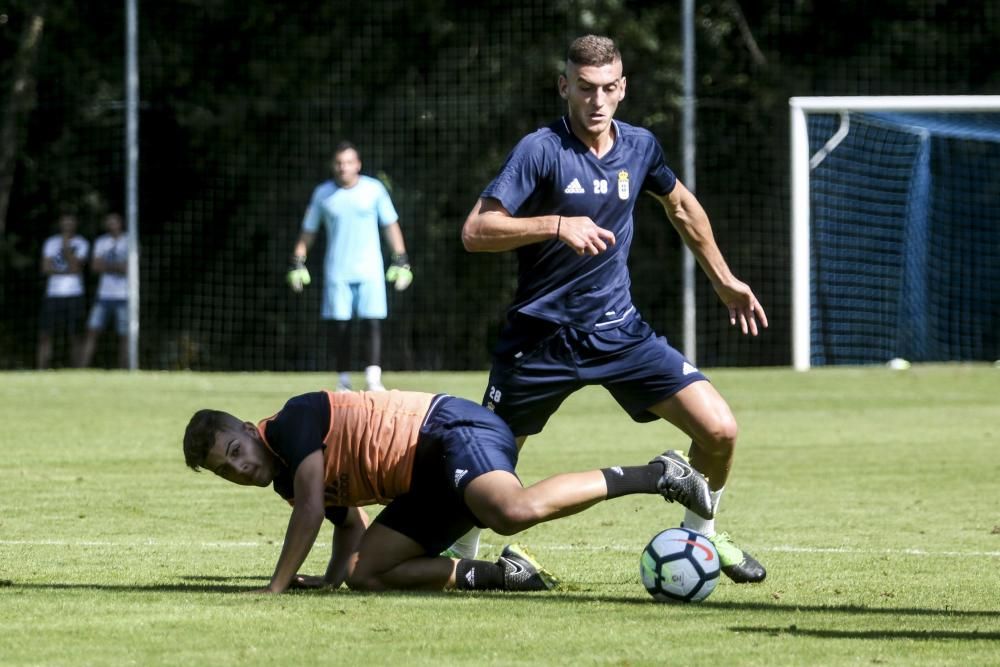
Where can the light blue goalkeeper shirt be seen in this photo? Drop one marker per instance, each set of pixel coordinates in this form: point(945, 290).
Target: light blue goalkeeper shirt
point(352, 218)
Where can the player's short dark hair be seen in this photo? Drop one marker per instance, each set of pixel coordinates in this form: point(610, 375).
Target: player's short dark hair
point(199, 436)
point(345, 146)
point(593, 50)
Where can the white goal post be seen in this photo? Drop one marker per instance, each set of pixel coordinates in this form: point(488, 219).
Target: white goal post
point(802, 163)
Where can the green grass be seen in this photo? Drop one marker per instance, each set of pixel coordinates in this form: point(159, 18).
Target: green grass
point(870, 495)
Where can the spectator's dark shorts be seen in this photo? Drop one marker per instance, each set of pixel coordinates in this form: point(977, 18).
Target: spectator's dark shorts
point(62, 314)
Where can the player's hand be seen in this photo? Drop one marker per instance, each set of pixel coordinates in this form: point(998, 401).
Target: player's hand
point(583, 235)
point(399, 273)
point(308, 582)
point(298, 274)
point(744, 308)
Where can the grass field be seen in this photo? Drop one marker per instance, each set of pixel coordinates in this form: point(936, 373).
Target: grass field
point(872, 497)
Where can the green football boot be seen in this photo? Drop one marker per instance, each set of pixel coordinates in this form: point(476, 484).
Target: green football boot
point(737, 564)
point(521, 572)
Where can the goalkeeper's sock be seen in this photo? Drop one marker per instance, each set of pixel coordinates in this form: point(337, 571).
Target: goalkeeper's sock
point(478, 575)
point(704, 526)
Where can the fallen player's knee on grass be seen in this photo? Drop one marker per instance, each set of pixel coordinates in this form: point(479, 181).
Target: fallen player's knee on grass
point(365, 582)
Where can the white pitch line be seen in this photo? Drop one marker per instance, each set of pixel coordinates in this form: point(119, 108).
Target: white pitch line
point(783, 548)
point(790, 549)
point(139, 543)
point(890, 552)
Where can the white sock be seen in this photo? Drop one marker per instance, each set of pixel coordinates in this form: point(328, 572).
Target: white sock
point(345, 380)
point(704, 526)
point(467, 546)
point(373, 376)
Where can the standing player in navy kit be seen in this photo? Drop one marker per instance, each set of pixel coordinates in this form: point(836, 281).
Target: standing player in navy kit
point(564, 202)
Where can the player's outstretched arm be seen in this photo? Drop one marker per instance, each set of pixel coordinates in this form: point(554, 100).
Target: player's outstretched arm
point(303, 526)
point(346, 544)
point(745, 310)
point(691, 222)
point(344, 555)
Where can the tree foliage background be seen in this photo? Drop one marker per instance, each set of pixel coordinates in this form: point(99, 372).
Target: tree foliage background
point(242, 103)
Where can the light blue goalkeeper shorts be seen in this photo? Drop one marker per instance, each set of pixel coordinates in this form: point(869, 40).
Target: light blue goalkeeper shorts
point(343, 300)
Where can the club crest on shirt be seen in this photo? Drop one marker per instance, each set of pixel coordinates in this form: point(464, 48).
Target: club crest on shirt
point(623, 184)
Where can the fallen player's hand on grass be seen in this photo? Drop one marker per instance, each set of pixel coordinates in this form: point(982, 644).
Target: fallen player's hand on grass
point(308, 582)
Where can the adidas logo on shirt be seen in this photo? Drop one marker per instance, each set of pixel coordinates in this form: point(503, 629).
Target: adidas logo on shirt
point(574, 188)
point(688, 369)
point(459, 474)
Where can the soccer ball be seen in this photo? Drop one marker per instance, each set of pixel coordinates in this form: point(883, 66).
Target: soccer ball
point(679, 565)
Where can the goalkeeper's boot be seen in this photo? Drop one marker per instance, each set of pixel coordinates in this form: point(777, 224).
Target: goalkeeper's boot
point(682, 483)
point(737, 564)
point(521, 572)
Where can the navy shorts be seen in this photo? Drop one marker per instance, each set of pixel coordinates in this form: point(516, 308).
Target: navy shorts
point(538, 364)
point(459, 441)
point(62, 314)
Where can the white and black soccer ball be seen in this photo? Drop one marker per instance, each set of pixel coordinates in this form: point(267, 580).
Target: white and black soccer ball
point(679, 565)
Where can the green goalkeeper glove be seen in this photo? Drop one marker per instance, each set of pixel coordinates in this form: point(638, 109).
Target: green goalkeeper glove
point(298, 274)
point(399, 273)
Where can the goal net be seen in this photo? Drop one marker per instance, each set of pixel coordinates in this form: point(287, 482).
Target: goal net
point(896, 229)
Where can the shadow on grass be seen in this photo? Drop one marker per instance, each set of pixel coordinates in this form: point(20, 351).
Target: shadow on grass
point(139, 588)
point(242, 584)
point(851, 609)
point(209, 577)
point(877, 635)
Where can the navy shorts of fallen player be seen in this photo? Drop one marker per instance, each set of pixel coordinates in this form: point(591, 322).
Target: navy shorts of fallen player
point(538, 364)
point(459, 441)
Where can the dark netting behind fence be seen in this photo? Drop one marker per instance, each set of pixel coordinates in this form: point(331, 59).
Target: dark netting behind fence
point(242, 104)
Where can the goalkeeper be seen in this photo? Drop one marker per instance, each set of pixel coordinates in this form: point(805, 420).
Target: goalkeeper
point(352, 208)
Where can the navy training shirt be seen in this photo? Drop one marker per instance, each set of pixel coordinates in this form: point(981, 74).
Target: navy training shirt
point(551, 172)
point(294, 433)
